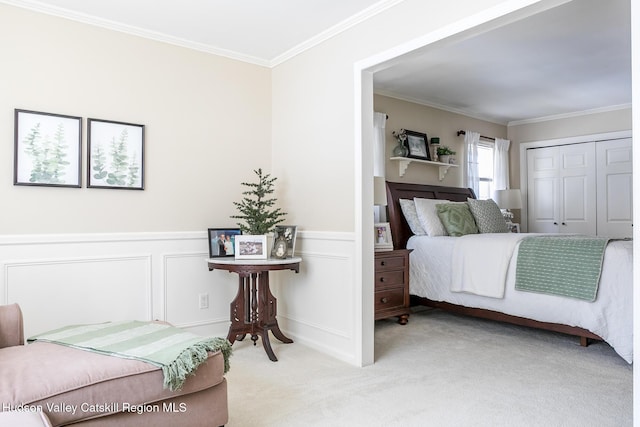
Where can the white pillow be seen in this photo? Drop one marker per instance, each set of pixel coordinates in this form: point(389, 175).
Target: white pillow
point(409, 211)
point(428, 216)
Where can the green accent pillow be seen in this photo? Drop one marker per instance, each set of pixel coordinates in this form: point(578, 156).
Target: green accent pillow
point(457, 219)
point(488, 217)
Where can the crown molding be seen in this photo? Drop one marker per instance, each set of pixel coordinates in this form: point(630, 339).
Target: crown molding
point(570, 115)
point(176, 41)
point(331, 32)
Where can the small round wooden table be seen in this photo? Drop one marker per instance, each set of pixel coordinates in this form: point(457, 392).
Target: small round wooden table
point(254, 309)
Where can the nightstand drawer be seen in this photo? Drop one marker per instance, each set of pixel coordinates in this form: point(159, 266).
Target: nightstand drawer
point(389, 278)
point(389, 298)
point(389, 262)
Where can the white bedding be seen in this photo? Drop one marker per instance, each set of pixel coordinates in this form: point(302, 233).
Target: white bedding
point(610, 316)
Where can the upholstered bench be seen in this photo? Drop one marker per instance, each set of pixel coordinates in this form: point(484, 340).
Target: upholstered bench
point(75, 386)
point(24, 419)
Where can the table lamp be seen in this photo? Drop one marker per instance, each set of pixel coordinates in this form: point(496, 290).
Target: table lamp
point(508, 199)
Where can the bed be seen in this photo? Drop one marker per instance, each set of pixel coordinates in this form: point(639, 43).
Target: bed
point(608, 318)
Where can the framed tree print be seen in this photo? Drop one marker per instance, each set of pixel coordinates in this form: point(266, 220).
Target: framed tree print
point(47, 149)
point(115, 155)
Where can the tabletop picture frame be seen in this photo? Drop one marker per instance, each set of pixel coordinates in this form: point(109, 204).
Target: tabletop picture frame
point(251, 246)
point(115, 155)
point(222, 241)
point(286, 234)
point(417, 145)
point(382, 236)
point(47, 149)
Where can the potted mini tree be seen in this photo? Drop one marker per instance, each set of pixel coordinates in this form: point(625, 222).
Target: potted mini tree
point(256, 207)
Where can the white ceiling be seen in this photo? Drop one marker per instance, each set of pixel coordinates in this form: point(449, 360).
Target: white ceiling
point(257, 31)
point(573, 58)
point(570, 59)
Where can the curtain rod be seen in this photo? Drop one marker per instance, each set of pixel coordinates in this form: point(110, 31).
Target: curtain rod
point(461, 132)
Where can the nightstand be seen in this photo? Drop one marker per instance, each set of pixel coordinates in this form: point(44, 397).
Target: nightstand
point(392, 285)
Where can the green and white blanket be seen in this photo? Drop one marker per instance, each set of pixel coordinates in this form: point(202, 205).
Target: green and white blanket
point(177, 352)
point(561, 265)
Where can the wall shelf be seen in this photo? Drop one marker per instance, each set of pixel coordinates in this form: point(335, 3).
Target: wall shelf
point(403, 164)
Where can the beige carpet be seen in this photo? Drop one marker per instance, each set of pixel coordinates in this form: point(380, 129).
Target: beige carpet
point(439, 370)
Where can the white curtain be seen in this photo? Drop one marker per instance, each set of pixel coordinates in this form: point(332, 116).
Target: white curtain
point(471, 173)
point(501, 164)
point(379, 146)
point(379, 157)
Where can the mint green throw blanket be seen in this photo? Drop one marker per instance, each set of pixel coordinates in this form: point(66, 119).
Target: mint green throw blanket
point(561, 265)
point(177, 352)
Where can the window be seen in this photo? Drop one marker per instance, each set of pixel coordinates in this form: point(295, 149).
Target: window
point(485, 170)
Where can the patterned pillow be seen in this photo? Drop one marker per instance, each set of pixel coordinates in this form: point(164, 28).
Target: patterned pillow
point(428, 216)
point(409, 211)
point(488, 217)
point(457, 219)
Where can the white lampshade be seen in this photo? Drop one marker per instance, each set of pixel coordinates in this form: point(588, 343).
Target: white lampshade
point(508, 199)
point(379, 191)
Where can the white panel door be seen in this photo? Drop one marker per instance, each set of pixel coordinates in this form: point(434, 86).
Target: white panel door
point(615, 191)
point(578, 193)
point(562, 189)
point(542, 198)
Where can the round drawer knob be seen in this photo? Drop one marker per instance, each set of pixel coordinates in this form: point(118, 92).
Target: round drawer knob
point(384, 300)
point(382, 279)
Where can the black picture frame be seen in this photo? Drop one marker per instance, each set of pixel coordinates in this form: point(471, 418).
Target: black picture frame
point(115, 155)
point(218, 250)
point(287, 234)
point(417, 144)
point(47, 149)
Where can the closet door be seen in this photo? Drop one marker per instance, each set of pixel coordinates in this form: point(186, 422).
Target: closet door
point(562, 189)
point(543, 190)
point(615, 191)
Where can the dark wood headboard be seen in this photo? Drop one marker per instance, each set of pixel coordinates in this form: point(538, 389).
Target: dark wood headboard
point(400, 231)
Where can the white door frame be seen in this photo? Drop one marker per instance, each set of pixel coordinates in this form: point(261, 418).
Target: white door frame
point(501, 14)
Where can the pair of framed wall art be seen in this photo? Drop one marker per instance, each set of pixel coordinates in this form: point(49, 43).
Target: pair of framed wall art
point(48, 152)
point(227, 242)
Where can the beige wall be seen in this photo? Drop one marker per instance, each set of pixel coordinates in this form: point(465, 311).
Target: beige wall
point(588, 124)
point(433, 122)
point(208, 125)
point(314, 115)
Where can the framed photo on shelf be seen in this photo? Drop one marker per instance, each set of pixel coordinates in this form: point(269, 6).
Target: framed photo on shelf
point(417, 145)
point(222, 241)
point(251, 246)
point(115, 155)
point(382, 236)
point(284, 237)
point(48, 149)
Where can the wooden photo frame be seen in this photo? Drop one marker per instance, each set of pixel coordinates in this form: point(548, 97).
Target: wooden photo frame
point(115, 155)
point(47, 149)
point(222, 241)
point(382, 236)
point(417, 145)
point(251, 246)
point(287, 235)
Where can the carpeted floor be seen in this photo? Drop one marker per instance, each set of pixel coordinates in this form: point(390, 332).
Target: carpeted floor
point(438, 370)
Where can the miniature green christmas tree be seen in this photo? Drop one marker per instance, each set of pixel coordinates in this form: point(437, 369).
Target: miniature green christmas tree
point(255, 208)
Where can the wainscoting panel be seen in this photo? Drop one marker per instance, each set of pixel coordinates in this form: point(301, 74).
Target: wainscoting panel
point(316, 306)
point(187, 280)
point(59, 292)
point(89, 278)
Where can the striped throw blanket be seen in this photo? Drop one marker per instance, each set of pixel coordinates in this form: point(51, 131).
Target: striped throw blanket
point(561, 265)
point(177, 352)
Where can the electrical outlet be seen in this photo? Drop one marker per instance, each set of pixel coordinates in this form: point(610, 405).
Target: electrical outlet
point(203, 301)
